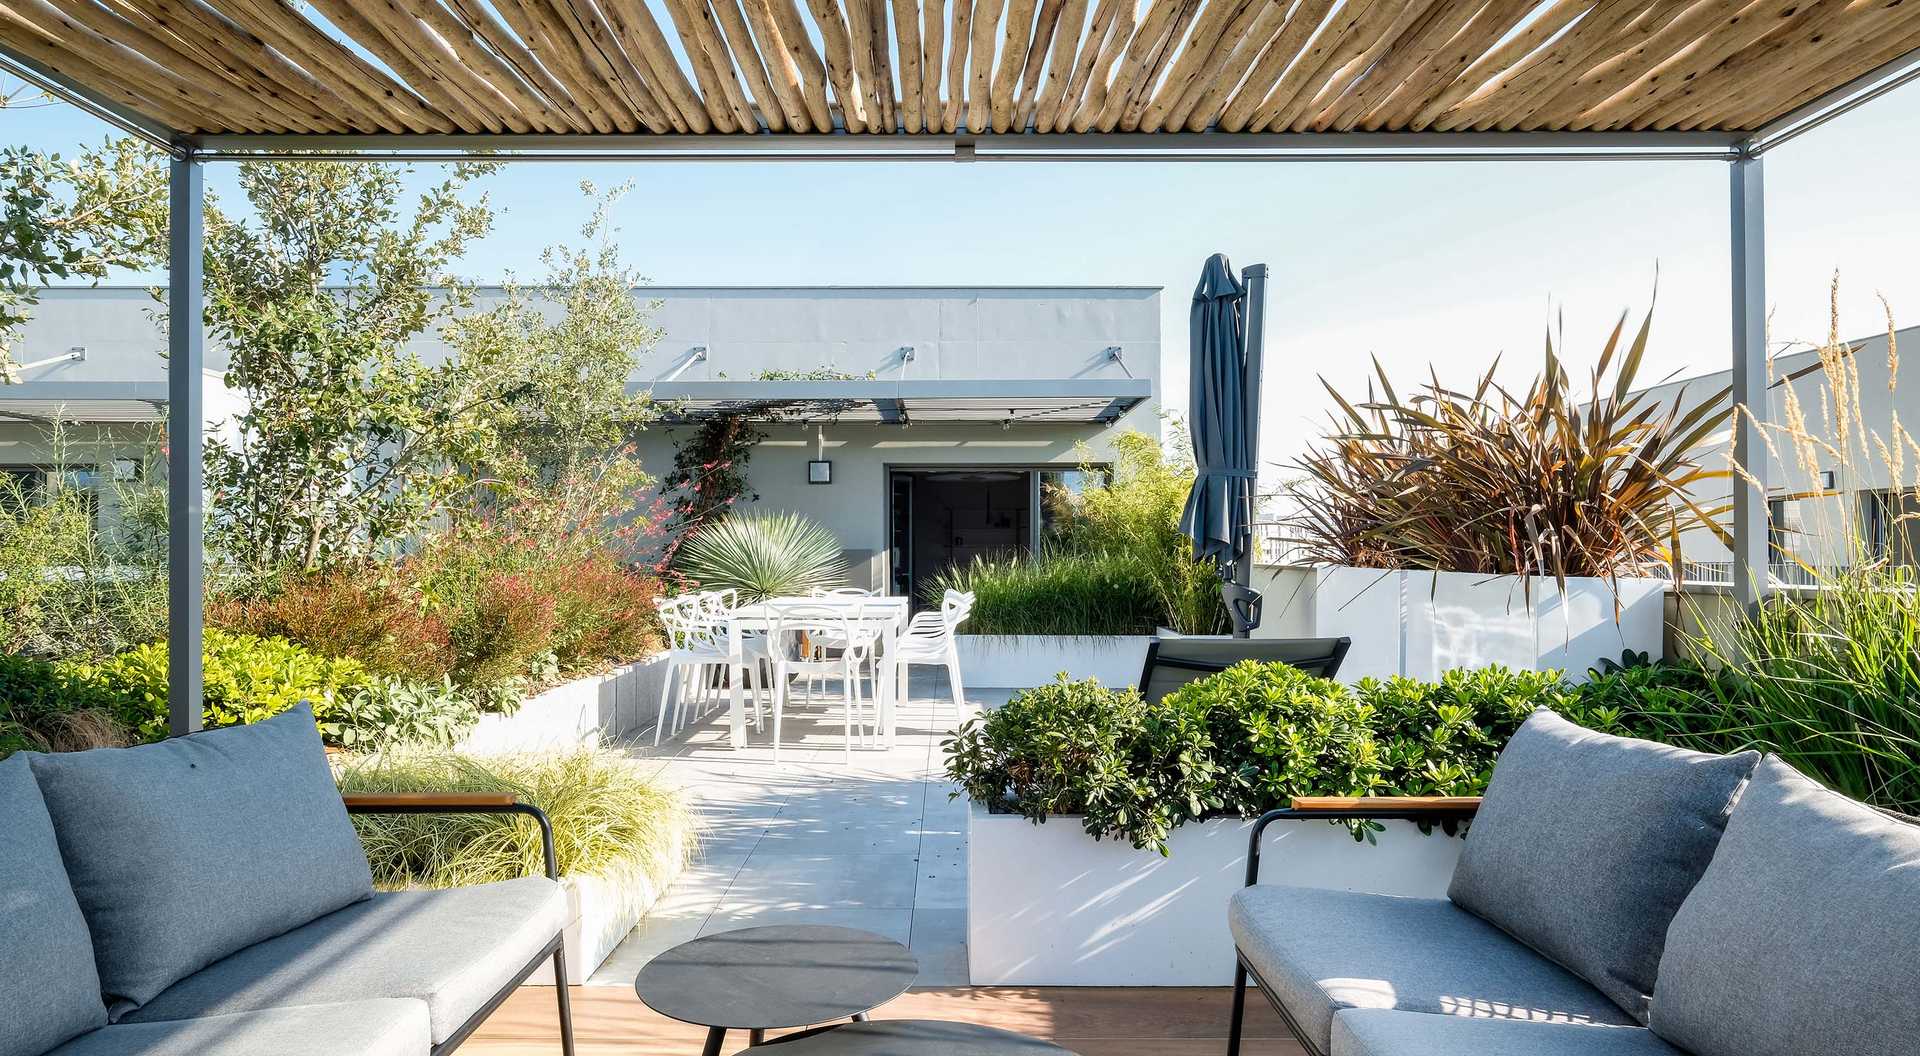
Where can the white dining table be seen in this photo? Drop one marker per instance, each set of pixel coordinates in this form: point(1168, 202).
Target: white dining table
point(885, 614)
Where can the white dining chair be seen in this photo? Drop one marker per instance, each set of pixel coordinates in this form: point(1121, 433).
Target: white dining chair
point(929, 639)
point(697, 640)
point(832, 641)
point(796, 627)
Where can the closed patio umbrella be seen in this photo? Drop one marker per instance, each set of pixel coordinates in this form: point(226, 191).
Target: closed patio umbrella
point(1224, 420)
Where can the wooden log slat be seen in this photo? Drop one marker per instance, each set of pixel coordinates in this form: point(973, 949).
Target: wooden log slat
point(883, 89)
point(302, 43)
point(1397, 46)
point(481, 64)
point(1727, 41)
point(64, 58)
point(959, 44)
point(747, 56)
point(713, 97)
point(1835, 70)
point(552, 45)
point(986, 24)
point(166, 63)
point(1307, 21)
point(1792, 32)
point(1782, 57)
point(1491, 65)
point(1346, 34)
point(813, 70)
point(783, 71)
point(933, 27)
point(1081, 72)
point(839, 45)
point(345, 18)
point(906, 34)
point(1160, 56)
point(1208, 45)
point(866, 74)
point(1655, 41)
point(243, 57)
point(1591, 43)
point(595, 40)
point(1492, 22)
point(482, 20)
point(1092, 98)
point(132, 68)
point(1015, 38)
point(1409, 56)
point(1512, 88)
point(714, 47)
point(1207, 96)
point(1142, 49)
point(1066, 47)
point(1714, 42)
point(1026, 97)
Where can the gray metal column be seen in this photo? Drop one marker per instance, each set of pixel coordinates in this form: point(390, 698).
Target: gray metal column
point(1750, 556)
point(186, 359)
point(1254, 278)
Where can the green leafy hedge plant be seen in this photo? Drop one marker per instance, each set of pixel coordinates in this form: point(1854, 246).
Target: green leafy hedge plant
point(1237, 744)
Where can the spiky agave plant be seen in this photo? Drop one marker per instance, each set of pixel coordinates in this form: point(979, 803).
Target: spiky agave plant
point(1541, 483)
point(763, 555)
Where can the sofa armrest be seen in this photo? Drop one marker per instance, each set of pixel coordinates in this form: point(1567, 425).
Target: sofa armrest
point(1446, 811)
point(456, 803)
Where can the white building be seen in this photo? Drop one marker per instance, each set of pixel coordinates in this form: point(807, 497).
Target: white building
point(963, 400)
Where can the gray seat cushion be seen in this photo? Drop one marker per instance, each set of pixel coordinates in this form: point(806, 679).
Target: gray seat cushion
point(184, 851)
point(48, 984)
point(1803, 937)
point(1586, 845)
point(359, 1028)
point(452, 949)
point(1370, 1032)
point(1322, 951)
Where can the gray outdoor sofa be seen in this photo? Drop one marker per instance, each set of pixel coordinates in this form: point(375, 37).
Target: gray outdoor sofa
point(1613, 897)
point(207, 896)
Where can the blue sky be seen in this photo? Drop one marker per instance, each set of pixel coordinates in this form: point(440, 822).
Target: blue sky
point(1418, 263)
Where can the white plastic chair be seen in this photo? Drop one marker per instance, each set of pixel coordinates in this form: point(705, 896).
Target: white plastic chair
point(696, 640)
point(792, 645)
point(929, 639)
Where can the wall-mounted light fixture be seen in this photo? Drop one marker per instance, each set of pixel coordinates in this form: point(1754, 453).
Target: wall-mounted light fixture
point(820, 470)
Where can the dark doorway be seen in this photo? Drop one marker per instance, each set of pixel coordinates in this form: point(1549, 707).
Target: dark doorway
point(947, 517)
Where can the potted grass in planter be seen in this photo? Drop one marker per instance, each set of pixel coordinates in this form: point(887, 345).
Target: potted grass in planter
point(1107, 833)
point(1491, 525)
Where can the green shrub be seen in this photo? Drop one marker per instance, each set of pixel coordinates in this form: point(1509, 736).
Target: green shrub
point(610, 819)
point(361, 612)
point(1058, 592)
point(44, 708)
point(391, 712)
point(1240, 742)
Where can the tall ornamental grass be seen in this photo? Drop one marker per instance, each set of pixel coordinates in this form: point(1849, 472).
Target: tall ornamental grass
point(1057, 592)
point(610, 820)
point(1542, 482)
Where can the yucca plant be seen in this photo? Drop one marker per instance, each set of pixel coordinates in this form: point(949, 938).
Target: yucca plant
point(763, 555)
point(1541, 483)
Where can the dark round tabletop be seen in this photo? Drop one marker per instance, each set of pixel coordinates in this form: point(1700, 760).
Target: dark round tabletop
point(909, 1037)
point(776, 977)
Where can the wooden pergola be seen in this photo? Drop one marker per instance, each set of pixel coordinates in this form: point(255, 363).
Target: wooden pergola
point(958, 80)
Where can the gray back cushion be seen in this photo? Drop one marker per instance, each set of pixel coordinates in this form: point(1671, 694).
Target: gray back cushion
point(185, 851)
point(1803, 937)
point(1587, 844)
point(49, 988)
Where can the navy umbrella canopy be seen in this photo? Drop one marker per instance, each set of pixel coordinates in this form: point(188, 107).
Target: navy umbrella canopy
point(1223, 419)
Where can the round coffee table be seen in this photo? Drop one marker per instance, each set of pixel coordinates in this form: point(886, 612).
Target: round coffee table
point(774, 978)
point(900, 1037)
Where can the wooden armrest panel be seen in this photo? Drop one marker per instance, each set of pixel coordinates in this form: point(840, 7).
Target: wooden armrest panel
point(429, 799)
point(1436, 804)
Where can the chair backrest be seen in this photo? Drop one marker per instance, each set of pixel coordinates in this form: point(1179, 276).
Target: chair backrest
point(692, 623)
point(1174, 662)
point(955, 607)
point(791, 624)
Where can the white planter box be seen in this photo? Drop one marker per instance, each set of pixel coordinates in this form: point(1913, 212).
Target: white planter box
point(601, 912)
point(1051, 906)
point(585, 711)
point(1422, 624)
point(1022, 661)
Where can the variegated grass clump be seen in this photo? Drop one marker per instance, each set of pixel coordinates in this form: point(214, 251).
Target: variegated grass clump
point(1542, 482)
point(763, 555)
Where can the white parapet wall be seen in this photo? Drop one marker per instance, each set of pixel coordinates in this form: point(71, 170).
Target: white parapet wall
point(1054, 907)
point(1021, 661)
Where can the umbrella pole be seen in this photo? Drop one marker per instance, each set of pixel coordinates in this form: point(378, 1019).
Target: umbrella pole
point(1246, 616)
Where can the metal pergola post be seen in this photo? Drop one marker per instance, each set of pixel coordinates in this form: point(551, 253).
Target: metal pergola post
point(1749, 348)
point(1254, 279)
point(186, 384)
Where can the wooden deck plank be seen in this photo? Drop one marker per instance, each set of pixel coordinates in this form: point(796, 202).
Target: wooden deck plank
point(1091, 1021)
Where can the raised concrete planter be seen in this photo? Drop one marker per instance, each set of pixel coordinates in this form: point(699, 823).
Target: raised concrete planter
point(602, 911)
point(1051, 906)
point(1423, 624)
point(587, 711)
point(1021, 661)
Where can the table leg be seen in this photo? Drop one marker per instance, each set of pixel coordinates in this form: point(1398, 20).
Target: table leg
point(756, 1037)
point(736, 709)
point(716, 1037)
point(859, 1017)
